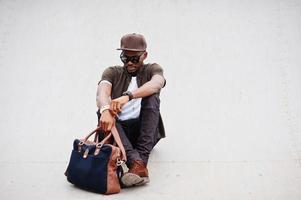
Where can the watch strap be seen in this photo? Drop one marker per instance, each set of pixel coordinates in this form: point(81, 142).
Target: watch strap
point(128, 93)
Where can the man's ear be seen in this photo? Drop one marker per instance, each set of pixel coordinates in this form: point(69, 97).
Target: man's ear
point(144, 56)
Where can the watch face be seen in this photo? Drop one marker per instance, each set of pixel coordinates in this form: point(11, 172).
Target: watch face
point(128, 93)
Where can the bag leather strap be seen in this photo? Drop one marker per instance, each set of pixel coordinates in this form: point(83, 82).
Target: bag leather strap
point(117, 139)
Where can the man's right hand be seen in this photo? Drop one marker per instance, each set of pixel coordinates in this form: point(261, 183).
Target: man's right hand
point(107, 121)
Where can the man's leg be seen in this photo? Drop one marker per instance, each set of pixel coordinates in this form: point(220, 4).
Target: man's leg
point(125, 133)
point(149, 120)
point(127, 130)
point(131, 153)
point(146, 139)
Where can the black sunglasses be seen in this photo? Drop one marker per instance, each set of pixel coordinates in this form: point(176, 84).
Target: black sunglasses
point(134, 59)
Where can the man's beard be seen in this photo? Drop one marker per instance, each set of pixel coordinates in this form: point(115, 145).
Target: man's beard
point(132, 72)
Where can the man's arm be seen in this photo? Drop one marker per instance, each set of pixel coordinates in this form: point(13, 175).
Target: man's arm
point(103, 96)
point(151, 87)
point(107, 120)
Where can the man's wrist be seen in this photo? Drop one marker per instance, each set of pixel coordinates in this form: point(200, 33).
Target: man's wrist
point(103, 108)
point(129, 94)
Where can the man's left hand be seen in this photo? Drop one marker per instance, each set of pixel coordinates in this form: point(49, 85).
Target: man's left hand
point(116, 104)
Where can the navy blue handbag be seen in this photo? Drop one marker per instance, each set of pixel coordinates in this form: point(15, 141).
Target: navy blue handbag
point(93, 164)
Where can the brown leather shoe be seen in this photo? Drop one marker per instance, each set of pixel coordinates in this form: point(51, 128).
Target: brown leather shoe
point(138, 167)
point(137, 174)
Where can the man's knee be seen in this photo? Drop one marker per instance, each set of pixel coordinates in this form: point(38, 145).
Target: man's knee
point(151, 102)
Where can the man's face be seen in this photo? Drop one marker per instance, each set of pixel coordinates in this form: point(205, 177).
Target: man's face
point(132, 60)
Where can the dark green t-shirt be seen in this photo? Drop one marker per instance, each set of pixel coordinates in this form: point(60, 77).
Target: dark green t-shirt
point(120, 80)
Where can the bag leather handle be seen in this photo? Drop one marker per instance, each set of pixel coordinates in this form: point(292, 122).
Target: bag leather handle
point(91, 133)
point(115, 134)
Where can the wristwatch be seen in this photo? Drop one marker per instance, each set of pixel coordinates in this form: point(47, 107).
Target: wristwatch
point(128, 93)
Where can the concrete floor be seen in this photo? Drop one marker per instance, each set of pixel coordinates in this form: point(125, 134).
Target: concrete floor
point(231, 106)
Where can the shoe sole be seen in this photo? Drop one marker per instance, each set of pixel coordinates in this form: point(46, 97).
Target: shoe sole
point(144, 181)
point(130, 179)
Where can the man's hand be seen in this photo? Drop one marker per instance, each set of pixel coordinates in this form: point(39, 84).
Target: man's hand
point(116, 104)
point(106, 121)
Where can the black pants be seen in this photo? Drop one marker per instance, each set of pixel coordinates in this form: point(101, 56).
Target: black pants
point(139, 136)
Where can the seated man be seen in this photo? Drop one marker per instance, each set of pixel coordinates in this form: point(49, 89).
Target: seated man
point(128, 96)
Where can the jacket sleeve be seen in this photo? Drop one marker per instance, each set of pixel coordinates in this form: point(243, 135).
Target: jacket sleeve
point(156, 69)
point(108, 75)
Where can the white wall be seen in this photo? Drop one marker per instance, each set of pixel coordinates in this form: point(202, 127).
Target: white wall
point(232, 68)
